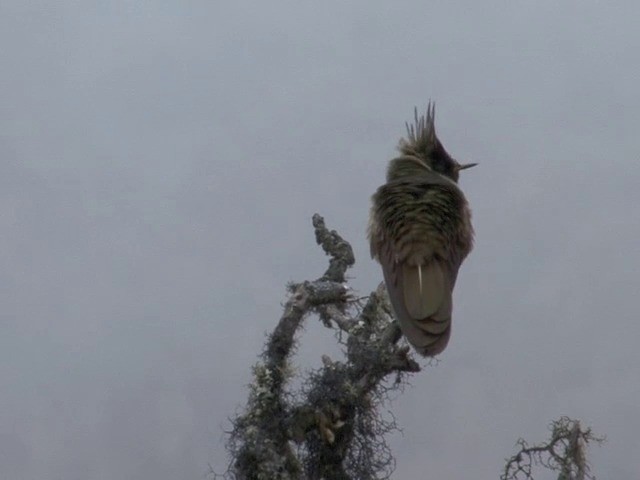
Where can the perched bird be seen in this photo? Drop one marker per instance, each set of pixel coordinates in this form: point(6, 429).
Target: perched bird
point(420, 231)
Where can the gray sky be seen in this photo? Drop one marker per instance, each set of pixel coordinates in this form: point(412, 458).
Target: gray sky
point(160, 162)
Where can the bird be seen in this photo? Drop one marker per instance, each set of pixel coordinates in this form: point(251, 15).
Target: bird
point(420, 232)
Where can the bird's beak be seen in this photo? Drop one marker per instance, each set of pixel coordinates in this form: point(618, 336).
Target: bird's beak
point(464, 166)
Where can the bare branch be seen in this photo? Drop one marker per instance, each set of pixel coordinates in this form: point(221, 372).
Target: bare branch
point(564, 452)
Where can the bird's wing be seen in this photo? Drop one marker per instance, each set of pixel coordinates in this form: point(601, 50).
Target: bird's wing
point(423, 288)
point(425, 321)
point(428, 334)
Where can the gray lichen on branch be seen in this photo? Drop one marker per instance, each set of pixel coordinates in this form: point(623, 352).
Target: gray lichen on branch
point(336, 247)
point(331, 427)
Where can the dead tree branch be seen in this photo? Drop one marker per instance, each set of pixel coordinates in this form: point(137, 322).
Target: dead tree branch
point(564, 453)
point(331, 428)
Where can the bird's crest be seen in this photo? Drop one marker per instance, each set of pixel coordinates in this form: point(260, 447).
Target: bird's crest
point(421, 136)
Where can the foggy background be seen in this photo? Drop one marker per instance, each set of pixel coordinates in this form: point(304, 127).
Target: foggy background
point(159, 166)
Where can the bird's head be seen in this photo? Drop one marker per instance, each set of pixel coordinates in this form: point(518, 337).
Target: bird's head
point(423, 143)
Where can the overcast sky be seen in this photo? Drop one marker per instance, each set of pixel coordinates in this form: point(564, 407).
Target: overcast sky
point(159, 166)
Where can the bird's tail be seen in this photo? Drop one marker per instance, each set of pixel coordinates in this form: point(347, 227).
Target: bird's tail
point(421, 300)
